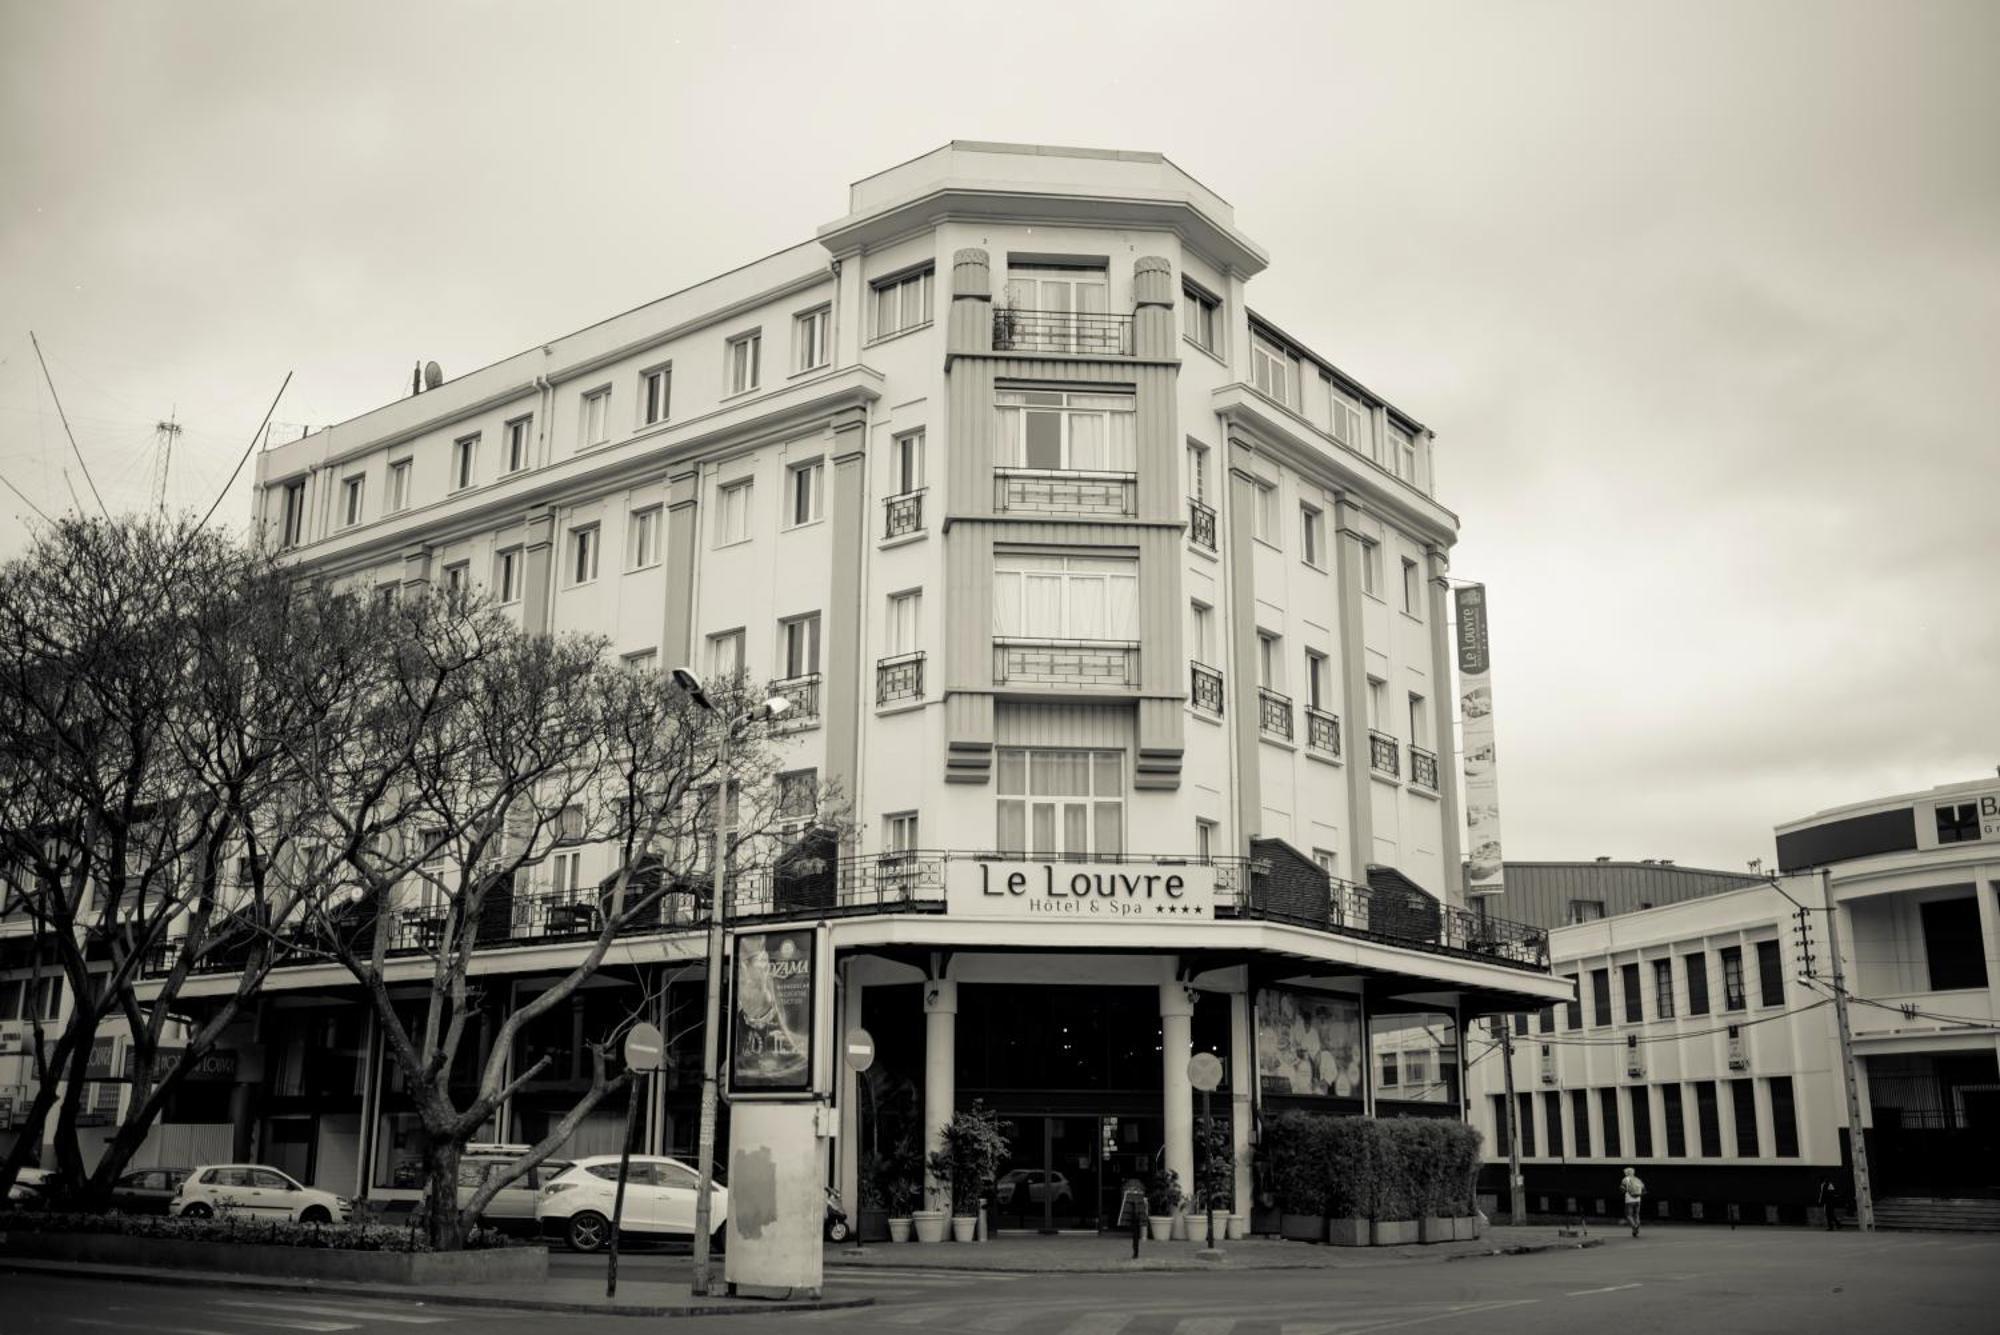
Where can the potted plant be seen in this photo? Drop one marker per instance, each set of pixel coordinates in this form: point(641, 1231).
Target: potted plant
point(1215, 1178)
point(1164, 1196)
point(1392, 1210)
point(898, 1183)
point(1350, 1166)
point(975, 1143)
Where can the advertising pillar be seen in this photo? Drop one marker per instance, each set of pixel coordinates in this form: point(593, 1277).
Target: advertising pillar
point(1475, 709)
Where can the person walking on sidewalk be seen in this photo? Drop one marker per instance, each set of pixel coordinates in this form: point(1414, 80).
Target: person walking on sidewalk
point(1634, 1192)
point(1829, 1202)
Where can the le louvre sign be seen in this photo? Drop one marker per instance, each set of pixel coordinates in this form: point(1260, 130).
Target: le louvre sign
point(1072, 891)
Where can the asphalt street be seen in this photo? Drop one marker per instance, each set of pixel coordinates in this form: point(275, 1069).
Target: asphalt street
point(1709, 1281)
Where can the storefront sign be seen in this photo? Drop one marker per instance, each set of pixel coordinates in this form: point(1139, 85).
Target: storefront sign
point(218, 1067)
point(1475, 709)
point(1309, 1043)
point(1095, 891)
point(771, 1016)
point(103, 1059)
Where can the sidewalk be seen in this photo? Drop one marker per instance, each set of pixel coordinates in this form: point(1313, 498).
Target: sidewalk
point(1071, 1254)
point(558, 1293)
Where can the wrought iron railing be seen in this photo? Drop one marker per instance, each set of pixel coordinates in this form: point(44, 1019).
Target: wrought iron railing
point(1060, 491)
point(903, 514)
point(1384, 753)
point(1423, 768)
point(1090, 664)
point(1322, 731)
point(1088, 333)
point(803, 693)
point(1205, 688)
point(899, 677)
point(1201, 524)
point(1396, 915)
point(1274, 713)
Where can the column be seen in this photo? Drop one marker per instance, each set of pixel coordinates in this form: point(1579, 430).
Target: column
point(371, 1102)
point(1176, 1046)
point(416, 571)
point(1354, 691)
point(1153, 330)
point(848, 1145)
point(848, 678)
point(537, 578)
point(1240, 623)
point(940, 1072)
point(971, 320)
point(683, 511)
point(1242, 1092)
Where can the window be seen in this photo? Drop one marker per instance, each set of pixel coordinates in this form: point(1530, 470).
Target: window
point(656, 390)
point(1696, 968)
point(464, 462)
point(1585, 910)
point(596, 417)
point(583, 555)
point(1676, 1117)
point(732, 512)
point(1502, 1130)
point(1743, 1101)
point(725, 654)
point(1525, 1110)
point(1579, 1116)
point(1378, 693)
point(1545, 1020)
point(1954, 950)
point(1642, 1122)
point(904, 611)
point(294, 527)
point(798, 802)
point(1268, 672)
point(805, 487)
point(1200, 317)
point(1413, 585)
point(507, 574)
point(1201, 632)
point(350, 501)
point(1312, 535)
point(642, 539)
point(1391, 1072)
point(1635, 1006)
point(1404, 452)
point(1552, 1123)
point(517, 444)
point(1264, 514)
point(1371, 567)
point(564, 872)
point(1273, 370)
point(1600, 997)
point(1204, 838)
point(1350, 423)
point(1419, 718)
point(386, 596)
point(1784, 1119)
point(1061, 431)
point(1327, 861)
point(1065, 597)
point(399, 486)
point(1663, 989)
point(742, 360)
point(1607, 1112)
point(1197, 466)
point(1708, 1119)
point(798, 646)
point(1732, 978)
point(1573, 1009)
point(810, 338)
point(906, 463)
point(642, 661)
point(1957, 824)
point(1318, 686)
point(903, 302)
point(1770, 975)
point(457, 578)
point(1061, 803)
point(899, 832)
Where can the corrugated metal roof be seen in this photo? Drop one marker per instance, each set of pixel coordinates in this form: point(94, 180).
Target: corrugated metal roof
point(1542, 893)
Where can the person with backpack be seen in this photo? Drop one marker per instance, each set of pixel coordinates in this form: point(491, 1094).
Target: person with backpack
point(1829, 1202)
point(1634, 1192)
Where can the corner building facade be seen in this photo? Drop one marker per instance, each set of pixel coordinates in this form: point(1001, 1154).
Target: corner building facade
point(1115, 616)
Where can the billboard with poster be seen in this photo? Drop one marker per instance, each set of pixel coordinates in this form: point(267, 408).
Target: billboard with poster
point(771, 1013)
point(1309, 1043)
point(1475, 711)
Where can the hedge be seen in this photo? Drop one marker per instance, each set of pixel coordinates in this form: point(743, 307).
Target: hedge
point(1367, 1168)
point(262, 1232)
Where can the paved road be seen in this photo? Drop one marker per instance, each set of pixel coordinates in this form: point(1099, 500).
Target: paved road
point(1683, 1281)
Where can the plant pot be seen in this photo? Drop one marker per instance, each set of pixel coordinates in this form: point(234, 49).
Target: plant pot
point(1181, 1231)
point(929, 1224)
point(963, 1227)
point(1239, 1227)
point(1434, 1228)
point(1479, 1222)
point(899, 1230)
point(1395, 1232)
point(1348, 1232)
point(1301, 1227)
point(1264, 1218)
point(874, 1226)
point(1162, 1226)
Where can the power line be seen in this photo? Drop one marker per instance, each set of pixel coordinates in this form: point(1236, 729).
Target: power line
point(65, 422)
point(25, 501)
point(246, 454)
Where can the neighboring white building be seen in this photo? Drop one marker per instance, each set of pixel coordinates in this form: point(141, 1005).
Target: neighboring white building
point(1071, 563)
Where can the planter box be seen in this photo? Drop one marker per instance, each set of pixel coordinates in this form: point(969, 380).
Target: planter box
point(498, 1265)
point(1264, 1219)
point(1302, 1227)
point(873, 1227)
point(1349, 1233)
point(1395, 1232)
point(1435, 1228)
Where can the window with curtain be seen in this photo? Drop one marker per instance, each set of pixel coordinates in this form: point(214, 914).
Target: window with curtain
point(1060, 803)
point(1049, 287)
point(1065, 597)
point(1060, 431)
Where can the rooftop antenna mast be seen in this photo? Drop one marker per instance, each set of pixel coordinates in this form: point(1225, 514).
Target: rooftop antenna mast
point(164, 435)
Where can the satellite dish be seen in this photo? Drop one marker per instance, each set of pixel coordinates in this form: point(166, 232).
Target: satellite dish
point(433, 375)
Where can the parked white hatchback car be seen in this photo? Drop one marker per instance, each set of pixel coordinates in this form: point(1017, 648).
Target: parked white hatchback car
point(255, 1191)
point(659, 1201)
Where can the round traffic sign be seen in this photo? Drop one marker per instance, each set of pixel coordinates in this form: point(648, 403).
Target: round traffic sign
point(1204, 1071)
point(860, 1049)
point(643, 1048)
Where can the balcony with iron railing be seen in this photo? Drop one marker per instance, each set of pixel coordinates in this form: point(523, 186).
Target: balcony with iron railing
point(899, 678)
point(1205, 688)
point(1077, 333)
point(1423, 768)
point(1274, 713)
point(1201, 524)
point(1091, 665)
point(1065, 491)
point(903, 515)
point(1384, 754)
point(802, 692)
point(1322, 732)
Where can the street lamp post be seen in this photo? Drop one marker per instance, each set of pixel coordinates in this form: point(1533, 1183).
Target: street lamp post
point(711, 1035)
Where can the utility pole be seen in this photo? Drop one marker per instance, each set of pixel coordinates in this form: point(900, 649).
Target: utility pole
point(1864, 1194)
point(165, 433)
point(1516, 1206)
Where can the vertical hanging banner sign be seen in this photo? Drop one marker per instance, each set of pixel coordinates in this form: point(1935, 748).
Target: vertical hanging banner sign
point(772, 1021)
point(1475, 710)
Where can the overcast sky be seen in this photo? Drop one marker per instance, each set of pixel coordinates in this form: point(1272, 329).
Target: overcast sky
point(1702, 299)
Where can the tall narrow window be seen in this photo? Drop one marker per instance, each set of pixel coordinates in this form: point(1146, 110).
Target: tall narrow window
point(1312, 535)
point(810, 335)
point(1607, 1115)
point(805, 486)
point(1197, 466)
point(294, 521)
point(798, 645)
point(1378, 709)
point(596, 417)
point(1784, 1118)
point(657, 387)
point(732, 512)
point(903, 302)
point(1199, 317)
point(725, 654)
point(1600, 997)
point(1264, 517)
point(1743, 1103)
point(1552, 1123)
point(906, 463)
point(1371, 567)
point(1579, 1116)
point(1676, 1121)
point(1319, 689)
point(1201, 632)
point(1770, 975)
point(1663, 989)
point(1573, 1008)
point(1420, 718)
point(1413, 586)
point(457, 578)
point(1267, 660)
point(642, 541)
point(1708, 1119)
point(1642, 1122)
point(350, 501)
point(905, 611)
point(899, 832)
point(517, 444)
point(1732, 978)
point(743, 359)
point(464, 462)
point(1350, 422)
point(1204, 838)
point(1696, 968)
point(1635, 1005)
point(399, 486)
point(1404, 461)
point(507, 574)
point(1273, 370)
point(1060, 803)
point(583, 555)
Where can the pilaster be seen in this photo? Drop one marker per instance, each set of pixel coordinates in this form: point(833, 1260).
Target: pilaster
point(1241, 624)
point(1153, 332)
point(844, 680)
point(1443, 661)
point(940, 1073)
point(1177, 1107)
point(1348, 539)
point(969, 327)
point(683, 516)
point(537, 576)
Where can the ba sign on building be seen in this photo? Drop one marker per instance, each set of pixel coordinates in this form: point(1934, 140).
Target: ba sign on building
point(1082, 891)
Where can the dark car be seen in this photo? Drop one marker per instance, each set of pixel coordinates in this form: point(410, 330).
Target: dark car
point(147, 1190)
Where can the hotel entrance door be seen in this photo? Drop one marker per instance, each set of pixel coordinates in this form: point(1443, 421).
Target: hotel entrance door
point(1068, 1173)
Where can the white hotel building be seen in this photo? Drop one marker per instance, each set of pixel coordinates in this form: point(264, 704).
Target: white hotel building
point(1064, 555)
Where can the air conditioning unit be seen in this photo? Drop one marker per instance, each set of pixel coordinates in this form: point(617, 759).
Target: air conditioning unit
point(1739, 1060)
point(1635, 1064)
point(1548, 1064)
point(13, 1037)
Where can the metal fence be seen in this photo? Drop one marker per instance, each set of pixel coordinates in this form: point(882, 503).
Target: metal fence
point(1086, 333)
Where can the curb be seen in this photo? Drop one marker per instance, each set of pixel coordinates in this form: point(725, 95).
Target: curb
point(1531, 1249)
point(198, 1279)
point(1177, 1266)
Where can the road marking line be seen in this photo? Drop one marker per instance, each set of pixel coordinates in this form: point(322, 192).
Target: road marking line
point(1470, 1309)
point(149, 1326)
point(1207, 1325)
point(1098, 1323)
point(322, 1327)
point(1613, 1288)
point(322, 1309)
